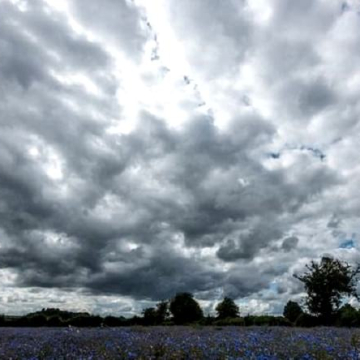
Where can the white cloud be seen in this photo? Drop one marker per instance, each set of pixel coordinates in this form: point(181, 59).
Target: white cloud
point(185, 141)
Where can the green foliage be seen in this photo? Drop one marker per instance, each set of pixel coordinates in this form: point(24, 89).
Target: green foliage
point(348, 316)
point(162, 312)
point(238, 321)
point(156, 316)
point(185, 309)
point(37, 320)
point(266, 320)
point(149, 316)
point(326, 283)
point(135, 320)
point(168, 323)
point(55, 321)
point(113, 321)
point(292, 311)
point(227, 309)
point(307, 320)
point(56, 318)
point(64, 315)
point(85, 321)
point(207, 320)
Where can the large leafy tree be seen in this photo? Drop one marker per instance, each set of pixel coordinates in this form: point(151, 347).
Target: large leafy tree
point(185, 309)
point(326, 283)
point(227, 309)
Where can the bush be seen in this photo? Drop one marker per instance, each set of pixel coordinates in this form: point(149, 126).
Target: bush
point(237, 321)
point(168, 323)
point(113, 321)
point(85, 321)
point(348, 316)
point(307, 320)
point(266, 320)
point(55, 321)
point(37, 320)
point(207, 320)
point(135, 320)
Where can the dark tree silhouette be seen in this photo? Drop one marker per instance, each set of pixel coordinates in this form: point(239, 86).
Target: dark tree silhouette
point(149, 316)
point(155, 316)
point(292, 311)
point(162, 311)
point(185, 309)
point(227, 309)
point(326, 284)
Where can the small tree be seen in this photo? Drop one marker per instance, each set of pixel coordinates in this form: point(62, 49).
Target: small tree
point(227, 309)
point(155, 316)
point(326, 283)
point(292, 311)
point(185, 309)
point(162, 311)
point(149, 316)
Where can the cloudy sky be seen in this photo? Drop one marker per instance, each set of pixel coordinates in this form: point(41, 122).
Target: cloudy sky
point(151, 147)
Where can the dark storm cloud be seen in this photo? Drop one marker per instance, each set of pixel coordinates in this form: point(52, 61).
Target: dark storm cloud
point(316, 97)
point(290, 243)
point(308, 98)
point(189, 168)
point(246, 246)
point(164, 274)
point(34, 42)
point(334, 222)
point(159, 209)
point(247, 279)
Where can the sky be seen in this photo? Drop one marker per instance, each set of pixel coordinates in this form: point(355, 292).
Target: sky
point(149, 147)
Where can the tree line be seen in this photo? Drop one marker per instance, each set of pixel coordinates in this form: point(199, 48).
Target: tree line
point(327, 284)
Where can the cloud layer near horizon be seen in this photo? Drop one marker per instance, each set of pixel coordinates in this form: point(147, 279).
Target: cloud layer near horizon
point(150, 148)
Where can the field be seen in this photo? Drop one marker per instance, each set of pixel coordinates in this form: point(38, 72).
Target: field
point(179, 343)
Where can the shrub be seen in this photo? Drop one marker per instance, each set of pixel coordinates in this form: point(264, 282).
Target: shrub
point(37, 320)
point(306, 320)
point(113, 321)
point(85, 321)
point(348, 316)
point(266, 320)
point(207, 320)
point(237, 321)
point(55, 321)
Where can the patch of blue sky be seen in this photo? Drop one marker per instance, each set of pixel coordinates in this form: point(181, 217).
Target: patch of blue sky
point(347, 244)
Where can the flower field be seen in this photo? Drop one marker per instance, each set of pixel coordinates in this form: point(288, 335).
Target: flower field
point(179, 343)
